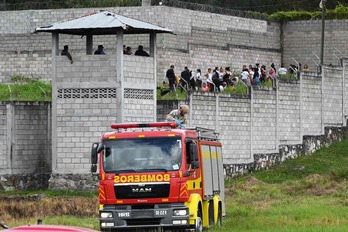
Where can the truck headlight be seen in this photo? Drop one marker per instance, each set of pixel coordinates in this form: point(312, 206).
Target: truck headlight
point(180, 222)
point(180, 212)
point(107, 224)
point(106, 215)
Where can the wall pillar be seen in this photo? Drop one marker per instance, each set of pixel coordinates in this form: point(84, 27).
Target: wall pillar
point(89, 44)
point(344, 101)
point(55, 49)
point(153, 52)
point(119, 77)
point(10, 136)
point(145, 2)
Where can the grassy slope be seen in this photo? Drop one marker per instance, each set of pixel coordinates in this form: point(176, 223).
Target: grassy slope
point(302, 195)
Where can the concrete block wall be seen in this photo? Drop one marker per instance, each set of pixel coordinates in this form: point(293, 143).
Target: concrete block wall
point(227, 40)
point(205, 106)
point(234, 126)
point(87, 103)
point(229, 116)
point(333, 95)
point(289, 113)
point(31, 146)
point(139, 71)
point(206, 40)
point(302, 38)
point(25, 137)
point(264, 120)
point(246, 125)
point(29, 64)
point(311, 106)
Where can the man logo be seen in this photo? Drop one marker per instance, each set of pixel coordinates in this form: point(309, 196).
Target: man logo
point(141, 190)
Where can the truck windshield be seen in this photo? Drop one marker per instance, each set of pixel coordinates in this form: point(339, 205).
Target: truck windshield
point(142, 154)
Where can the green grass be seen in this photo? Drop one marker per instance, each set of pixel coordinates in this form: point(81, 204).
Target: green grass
point(26, 89)
point(285, 198)
point(65, 220)
point(175, 95)
point(181, 94)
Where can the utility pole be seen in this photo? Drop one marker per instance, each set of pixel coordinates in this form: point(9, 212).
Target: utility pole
point(322, 5)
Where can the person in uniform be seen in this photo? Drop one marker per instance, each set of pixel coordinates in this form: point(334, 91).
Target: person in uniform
point(179, 116)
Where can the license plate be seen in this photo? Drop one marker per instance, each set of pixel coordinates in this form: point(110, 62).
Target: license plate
point(160, 213)
point(123, 214)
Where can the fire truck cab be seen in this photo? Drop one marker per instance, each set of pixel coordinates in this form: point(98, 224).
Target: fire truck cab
point(155, 176)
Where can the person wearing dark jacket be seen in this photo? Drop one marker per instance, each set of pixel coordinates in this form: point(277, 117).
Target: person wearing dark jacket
point(100, 50)
point(65, 52)
point(141, 52)
point(171, 77)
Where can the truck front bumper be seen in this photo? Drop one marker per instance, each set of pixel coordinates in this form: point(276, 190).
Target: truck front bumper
point(144, 216)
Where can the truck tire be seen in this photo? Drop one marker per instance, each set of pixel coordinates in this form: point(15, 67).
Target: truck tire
point(198, 222)
point(219, 219)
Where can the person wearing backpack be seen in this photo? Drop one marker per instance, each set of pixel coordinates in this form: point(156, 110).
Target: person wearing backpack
point(216, 78)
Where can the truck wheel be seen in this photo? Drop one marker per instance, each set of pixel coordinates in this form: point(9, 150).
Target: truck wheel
point(199, 223)
point(219, 220)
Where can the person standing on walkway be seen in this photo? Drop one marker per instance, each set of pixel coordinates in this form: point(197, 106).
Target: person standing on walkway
point(171, 77)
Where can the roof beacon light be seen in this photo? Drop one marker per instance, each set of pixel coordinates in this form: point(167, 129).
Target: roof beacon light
point(141, 125)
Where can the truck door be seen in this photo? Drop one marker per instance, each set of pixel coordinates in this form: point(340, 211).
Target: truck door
point(193, 166)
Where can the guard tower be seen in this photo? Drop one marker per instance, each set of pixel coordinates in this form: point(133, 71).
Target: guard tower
point(97, 90)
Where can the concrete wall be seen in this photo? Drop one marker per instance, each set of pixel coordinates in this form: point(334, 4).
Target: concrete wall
point(86, 93)
point(87, 101)
point(257, 130)
point(311, 118)
point(25, 132)
point(201, 40)
point(303, 38)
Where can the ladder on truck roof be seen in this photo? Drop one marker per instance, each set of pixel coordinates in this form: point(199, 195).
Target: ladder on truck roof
point(206, 134)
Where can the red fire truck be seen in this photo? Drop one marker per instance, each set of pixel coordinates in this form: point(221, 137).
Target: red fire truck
point(153, 175)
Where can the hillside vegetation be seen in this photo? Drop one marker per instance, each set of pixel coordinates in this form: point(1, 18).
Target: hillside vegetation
point(304, 194)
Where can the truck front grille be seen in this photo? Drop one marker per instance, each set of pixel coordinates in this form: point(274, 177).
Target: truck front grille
point(142, 191)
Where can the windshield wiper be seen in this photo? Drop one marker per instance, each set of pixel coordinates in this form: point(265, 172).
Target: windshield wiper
point(154, 169)
point(121, 171)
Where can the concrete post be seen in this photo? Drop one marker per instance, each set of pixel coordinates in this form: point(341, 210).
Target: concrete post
point(10, 135)
point(344, 64)
point(145, 2)
point(153, 54)
point(119, 77)
point(54, 54)
point(89, 44)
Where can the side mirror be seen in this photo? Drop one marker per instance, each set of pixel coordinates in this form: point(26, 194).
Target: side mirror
point(195, 164)
point(194, 151)
point(94, 153)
